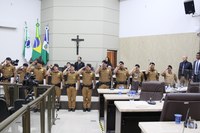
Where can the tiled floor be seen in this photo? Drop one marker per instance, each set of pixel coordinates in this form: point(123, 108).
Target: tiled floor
point(77, 122)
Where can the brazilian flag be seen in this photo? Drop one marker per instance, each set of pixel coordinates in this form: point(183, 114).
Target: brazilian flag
point(37, 46)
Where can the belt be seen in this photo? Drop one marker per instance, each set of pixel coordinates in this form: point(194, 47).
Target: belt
point(124, 82)
point(105, 83)
point(70, 85)
point(58, 85)
point(6, 79)
point(88, 86)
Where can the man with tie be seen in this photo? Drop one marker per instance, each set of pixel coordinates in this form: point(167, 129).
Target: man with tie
point(185, 71)
point(196, 68)
point(79, 64)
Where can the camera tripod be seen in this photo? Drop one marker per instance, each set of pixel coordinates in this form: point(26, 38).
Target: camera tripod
point(57, 106)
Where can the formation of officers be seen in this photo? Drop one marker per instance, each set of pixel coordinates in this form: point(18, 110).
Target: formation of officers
point(69, 78)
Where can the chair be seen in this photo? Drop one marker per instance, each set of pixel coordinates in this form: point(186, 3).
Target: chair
point(153, 90)
point(4, 113)
point(180, 103)
point(193, 87)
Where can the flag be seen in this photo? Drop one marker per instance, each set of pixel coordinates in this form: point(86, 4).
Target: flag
point(37, 46)
point(27, 49)
point(45, 47)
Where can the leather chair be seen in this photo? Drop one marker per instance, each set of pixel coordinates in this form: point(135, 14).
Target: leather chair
point(193, 87)
point(179, 103)
point(4, 112)
point(153, 90)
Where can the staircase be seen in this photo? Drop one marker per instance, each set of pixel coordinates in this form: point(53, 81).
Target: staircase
point(79, 100)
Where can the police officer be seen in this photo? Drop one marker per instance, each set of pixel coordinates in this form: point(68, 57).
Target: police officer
point(136, 74)
point(88, 82)
point(7, 70)
point(152, 73)
point(39, 71)
point(105, 76)
point(122, 76)
point(21, 72)
point(72, 82)
point(56, 79)
point(169, 77)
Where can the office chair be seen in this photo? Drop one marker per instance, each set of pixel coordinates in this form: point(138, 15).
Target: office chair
point(180, 103)
point(193, 87)
point(4, 112)
point(153, 90)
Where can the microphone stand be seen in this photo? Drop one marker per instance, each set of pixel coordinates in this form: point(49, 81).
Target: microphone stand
point(57, 109)
point(186, 120)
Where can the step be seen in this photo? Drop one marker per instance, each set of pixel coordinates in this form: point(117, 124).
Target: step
point(79, 102)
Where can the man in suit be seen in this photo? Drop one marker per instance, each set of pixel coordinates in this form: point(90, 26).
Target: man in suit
point(196, 68)
point(184, 71)
point(79, 64)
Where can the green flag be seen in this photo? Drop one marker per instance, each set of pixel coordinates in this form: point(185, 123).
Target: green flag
point(45, 47)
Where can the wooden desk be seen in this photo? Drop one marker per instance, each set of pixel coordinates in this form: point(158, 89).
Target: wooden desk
point(130, 113)
point(110, 109)
point(165, 127)
point(101, 98)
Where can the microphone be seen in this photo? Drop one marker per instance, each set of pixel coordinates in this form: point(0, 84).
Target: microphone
point(151, 102)
point(162, 99)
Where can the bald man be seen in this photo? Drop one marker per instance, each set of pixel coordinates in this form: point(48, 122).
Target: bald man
point(184, 71)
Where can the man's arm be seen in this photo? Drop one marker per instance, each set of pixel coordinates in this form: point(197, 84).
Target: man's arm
point(116, 69)
point(80, 71)
point(98, 70)
point(94, 81)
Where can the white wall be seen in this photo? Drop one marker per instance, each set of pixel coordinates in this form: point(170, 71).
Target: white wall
point(155, 17)
point(158, 31)
point(96, 21)
point(13, 14)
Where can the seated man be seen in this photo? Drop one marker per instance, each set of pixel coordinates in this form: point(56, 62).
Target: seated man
point(169, 77)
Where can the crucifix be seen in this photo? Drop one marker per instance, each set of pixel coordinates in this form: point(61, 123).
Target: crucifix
point(77, 40)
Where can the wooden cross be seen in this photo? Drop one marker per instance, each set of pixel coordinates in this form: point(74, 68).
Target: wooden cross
point(77, 40)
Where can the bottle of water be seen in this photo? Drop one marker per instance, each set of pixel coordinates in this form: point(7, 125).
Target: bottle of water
point(166, 87)
point(120, 89)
